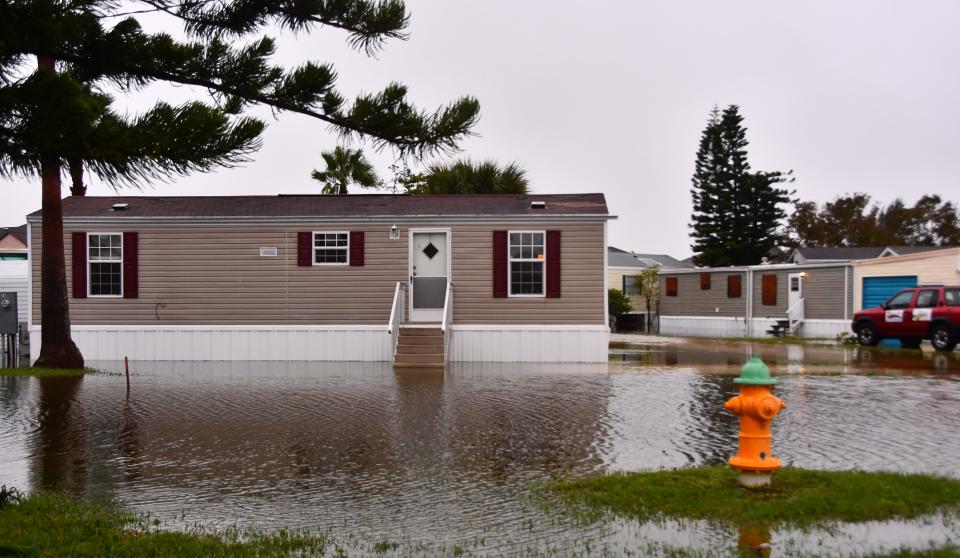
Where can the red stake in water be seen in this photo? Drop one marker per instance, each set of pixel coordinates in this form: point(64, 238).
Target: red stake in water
point(126, 367)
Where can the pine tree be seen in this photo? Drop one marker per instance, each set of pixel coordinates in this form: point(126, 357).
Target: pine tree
point(737, 213)
point(56, 116)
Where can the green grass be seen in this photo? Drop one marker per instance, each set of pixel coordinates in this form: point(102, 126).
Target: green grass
point(945, 552)
point(44, 372)
point(50, 524)
point(797, 496)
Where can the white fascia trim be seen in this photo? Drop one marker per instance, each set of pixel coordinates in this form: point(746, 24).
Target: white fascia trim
point(379, 328)
point(30, 280)
point(531, 327)
point(214, 220)
point(772, 267)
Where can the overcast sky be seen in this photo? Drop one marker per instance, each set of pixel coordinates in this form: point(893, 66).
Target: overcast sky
point(612, 96)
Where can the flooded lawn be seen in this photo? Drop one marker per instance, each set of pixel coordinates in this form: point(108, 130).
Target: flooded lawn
point(443, 463)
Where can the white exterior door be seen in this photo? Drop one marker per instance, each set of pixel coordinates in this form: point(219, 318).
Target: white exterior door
point(794, 289)
point(429, 273)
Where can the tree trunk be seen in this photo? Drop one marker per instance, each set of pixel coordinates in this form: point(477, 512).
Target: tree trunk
point(76, 175)
point(57, 349)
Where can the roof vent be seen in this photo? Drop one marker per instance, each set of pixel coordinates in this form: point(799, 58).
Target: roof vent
point(120, 206)
point(537, 204)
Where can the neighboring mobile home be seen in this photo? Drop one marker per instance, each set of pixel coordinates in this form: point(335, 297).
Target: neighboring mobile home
point(623, 273)
point(507, 277)
point(812, 300)
point(13, 273)
point(876, 280)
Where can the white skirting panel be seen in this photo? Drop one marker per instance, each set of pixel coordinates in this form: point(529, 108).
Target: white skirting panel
point(825, 328)
point(531, 343)
point(711, 326)
point(703, 326)
point(229, 343)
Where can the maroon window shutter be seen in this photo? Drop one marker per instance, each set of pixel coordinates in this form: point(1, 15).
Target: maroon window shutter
point(769, 294)
point(499, 264)
point(553, 264)
point(672, 286)
point(356, 248)
point(304, 249)
point(704, 281)
point(131, 265)
point(733, 286)
point(79, 265)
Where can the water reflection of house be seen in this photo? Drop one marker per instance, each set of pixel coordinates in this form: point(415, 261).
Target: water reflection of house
point(353, 430)
point(321, 277)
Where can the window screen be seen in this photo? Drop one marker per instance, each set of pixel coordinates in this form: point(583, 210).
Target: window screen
point(105, 260)
point(330, 248)
point(527, 258)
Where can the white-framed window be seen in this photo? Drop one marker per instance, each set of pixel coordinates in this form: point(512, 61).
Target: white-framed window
point(105, 264)
point(331, 248)
point(632, 284)
point(528, 260)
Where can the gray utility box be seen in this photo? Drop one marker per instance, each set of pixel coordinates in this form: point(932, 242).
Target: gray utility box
point(8, 313)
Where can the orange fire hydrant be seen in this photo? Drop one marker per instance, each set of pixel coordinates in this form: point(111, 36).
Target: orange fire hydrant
point(756, 406)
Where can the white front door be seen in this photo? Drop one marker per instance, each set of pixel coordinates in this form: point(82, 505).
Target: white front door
point(429, 272)
point(794, 289)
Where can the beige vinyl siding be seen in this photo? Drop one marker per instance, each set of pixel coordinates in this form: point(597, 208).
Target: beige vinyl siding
point(937, 267)
point(691, 301)
point(823, 293)
point(615, 281)
point(208, 274)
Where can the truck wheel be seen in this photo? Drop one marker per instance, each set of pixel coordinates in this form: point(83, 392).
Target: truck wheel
point(941, 338)
point(911, 342)
point(867, 335)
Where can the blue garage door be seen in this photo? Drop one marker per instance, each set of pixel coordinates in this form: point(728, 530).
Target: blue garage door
point(878, 289)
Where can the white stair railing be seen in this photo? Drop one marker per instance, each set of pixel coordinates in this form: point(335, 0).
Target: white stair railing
point(447, 319)
point(397, 315)
point(795, 317)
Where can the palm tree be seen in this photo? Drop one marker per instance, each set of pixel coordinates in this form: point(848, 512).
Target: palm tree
point(345, 166)
point(465, 177)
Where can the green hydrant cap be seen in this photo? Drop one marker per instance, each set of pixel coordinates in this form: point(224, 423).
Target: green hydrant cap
point(755, 373)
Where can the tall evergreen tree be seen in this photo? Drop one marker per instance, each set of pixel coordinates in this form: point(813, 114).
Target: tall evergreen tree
point(56, 115)
point(737, 213)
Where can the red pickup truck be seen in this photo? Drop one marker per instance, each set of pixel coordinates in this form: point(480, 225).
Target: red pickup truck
point(912, 315)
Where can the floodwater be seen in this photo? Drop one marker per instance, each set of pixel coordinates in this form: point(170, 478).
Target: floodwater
point(442, 463)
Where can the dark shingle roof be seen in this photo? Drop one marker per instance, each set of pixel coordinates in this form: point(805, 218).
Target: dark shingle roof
point(20, 233)
point(621, 258)
point(362, 205)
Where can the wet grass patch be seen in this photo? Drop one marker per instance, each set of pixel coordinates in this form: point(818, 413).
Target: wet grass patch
point(51, 524)
point(44, 372)
point(797, 497)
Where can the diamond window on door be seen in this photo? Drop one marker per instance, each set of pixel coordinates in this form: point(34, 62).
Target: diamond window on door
point(430, 250)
